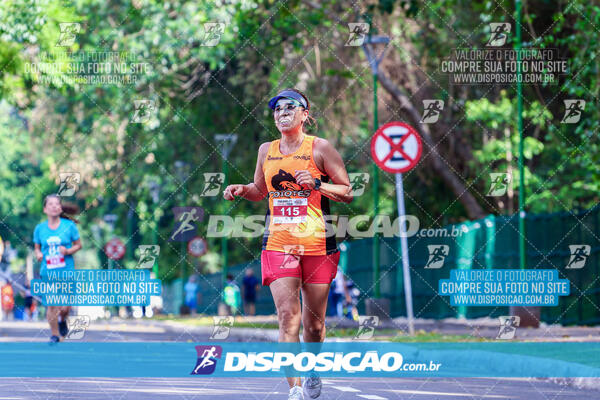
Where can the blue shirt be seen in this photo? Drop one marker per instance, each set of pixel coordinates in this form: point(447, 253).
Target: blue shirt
point(250, 283)
point(190, 291)
point(50, 240)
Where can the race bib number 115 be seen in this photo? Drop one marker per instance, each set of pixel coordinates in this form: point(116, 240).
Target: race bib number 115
point(290, 211)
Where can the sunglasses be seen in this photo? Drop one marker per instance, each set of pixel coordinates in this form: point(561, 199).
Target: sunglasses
point(291, 106)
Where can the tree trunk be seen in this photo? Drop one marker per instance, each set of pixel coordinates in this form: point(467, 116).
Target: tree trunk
point(440, 166)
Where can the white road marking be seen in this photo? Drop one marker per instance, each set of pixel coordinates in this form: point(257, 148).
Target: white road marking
point(413, 392)
point(371, 397)
point(345, 389)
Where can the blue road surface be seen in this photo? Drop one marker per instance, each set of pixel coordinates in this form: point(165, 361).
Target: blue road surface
point(207, 387)
point(345, 359)
point(277, 389)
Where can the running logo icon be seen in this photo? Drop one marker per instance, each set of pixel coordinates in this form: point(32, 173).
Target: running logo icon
point(148, 255)
point(431, 111)
point(207, 359)
point(185, 219)
point(508, 326)
point(143, 111)
point(222, 327)
point(579, 255)
point(292, 251)
point(212, 183)
point(573, 111)
point(68, 33)
point(366, 327)
point(499, 185)
point(358, 32)
point(437, 255)
point(69, 183)
point(498, 34)
point(212, 33)
point(358, 182)
point(284, 181)
point(77, 325)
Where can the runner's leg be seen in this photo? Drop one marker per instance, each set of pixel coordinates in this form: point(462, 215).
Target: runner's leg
point(64, 312)
point(52, 314)
point(314, 307)
point(317, 274)
point(286, 294)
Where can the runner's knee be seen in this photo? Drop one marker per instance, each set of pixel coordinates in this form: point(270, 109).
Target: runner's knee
point(314, 327)
point(289, 319)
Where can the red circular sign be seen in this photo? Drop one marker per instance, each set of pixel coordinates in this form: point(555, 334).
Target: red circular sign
point(114, 249)
point(396, 147)
point(197, 247)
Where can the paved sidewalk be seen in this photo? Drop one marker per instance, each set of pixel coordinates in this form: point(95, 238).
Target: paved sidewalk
point(484, 328)
point(262, 330)
point(148, 330)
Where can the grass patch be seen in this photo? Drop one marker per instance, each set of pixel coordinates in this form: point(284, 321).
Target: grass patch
point(422, 336)
point(208, 321)
point(389, 335)
point(392, 335)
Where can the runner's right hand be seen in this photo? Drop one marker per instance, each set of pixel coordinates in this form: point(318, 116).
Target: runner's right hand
point(233, 190)
point(39, 256)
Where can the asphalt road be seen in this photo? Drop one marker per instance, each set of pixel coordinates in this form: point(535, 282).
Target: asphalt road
point(128, 331)
point(269, 388)
point(250, 388)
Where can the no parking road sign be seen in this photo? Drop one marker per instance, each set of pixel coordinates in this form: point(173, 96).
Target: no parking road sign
point(114, 249)
point(396, 147)
point(197, 247)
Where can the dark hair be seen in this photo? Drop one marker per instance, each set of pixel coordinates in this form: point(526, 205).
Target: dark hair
point(310, 121)
point(229, 277)
point(69, 210)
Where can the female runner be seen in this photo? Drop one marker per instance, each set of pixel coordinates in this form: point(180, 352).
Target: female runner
point(299, 253)
point(55, 241)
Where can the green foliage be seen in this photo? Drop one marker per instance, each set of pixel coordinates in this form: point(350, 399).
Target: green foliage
point(200, 91)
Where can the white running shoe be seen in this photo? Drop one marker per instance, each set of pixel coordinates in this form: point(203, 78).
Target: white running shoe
point(296, 393)
point(312, 386)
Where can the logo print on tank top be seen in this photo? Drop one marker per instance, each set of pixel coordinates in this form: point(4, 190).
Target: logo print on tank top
point(288, 210)
point(284, 181)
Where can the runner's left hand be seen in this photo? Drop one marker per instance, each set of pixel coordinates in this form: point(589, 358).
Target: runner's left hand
point(304, 178)
point(62, 250)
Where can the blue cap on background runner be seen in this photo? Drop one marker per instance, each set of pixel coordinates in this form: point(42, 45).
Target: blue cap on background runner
point(288, 94)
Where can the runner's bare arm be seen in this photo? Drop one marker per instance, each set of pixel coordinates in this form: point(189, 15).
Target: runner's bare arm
point(329, 161)
point(71, 250)
point(38, 252)
point(256, 190)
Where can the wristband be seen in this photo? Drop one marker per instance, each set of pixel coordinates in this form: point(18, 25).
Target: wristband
point(317, 183)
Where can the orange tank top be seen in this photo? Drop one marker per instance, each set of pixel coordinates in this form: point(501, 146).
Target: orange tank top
point(296, 218)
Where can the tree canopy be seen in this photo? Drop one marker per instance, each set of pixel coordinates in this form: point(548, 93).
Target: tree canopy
point(191, 70)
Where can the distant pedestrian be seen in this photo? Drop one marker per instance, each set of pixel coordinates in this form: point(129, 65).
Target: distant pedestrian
point(231, 295)
point(8, 301)
point(29, 304)
point(191, 294)
point(250, 286)
point(7, 256)
point(340, 293)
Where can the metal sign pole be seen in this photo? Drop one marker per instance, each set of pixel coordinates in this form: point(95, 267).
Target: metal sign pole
point(228, 140)
point(374, 61)
point(383, 149)
point(404, 246)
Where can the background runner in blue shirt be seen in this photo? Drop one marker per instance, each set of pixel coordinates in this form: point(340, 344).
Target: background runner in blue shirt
point(55, 241)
